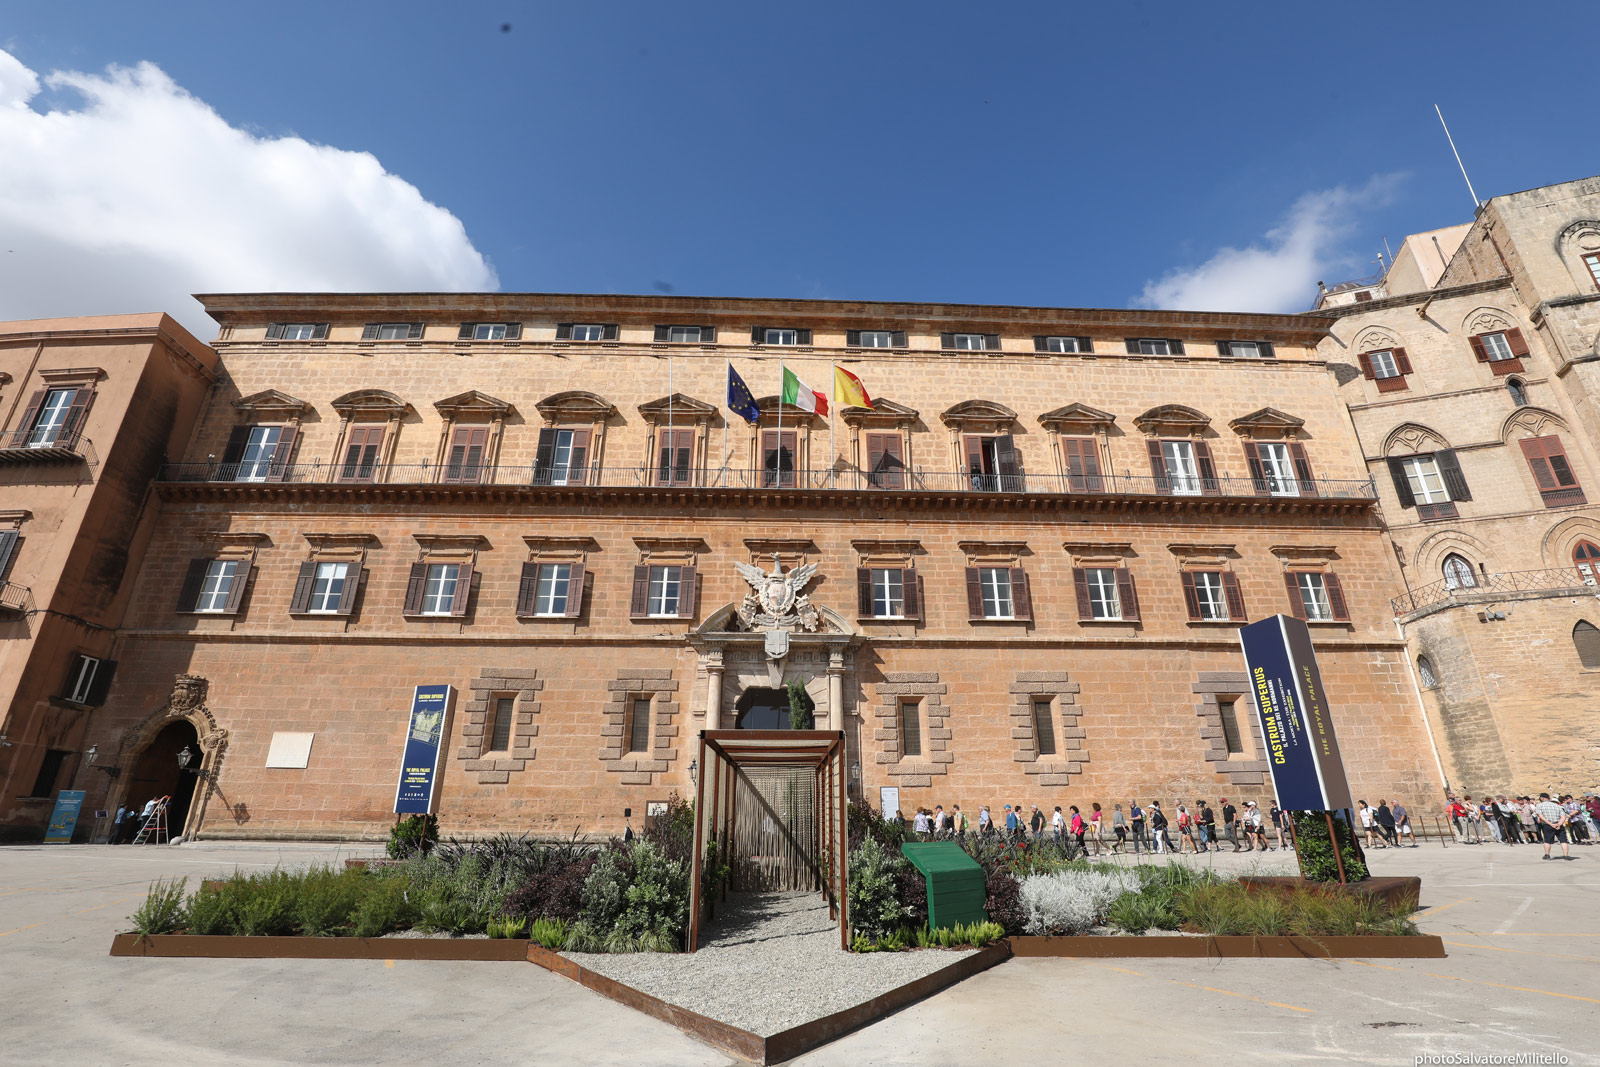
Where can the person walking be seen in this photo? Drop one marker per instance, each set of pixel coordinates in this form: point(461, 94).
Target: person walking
point(1230, 822)
point(1095, 827)
point(1369, 822)
point(985, 822)
point(1011, 823)
point(1036, 821)
point(1058, 824)
point(1509, 831)
point(1254, 828)
point(1280, 824)
point(1402, 824)
point(1385, 820)
point(116, 826)
point(1119, 828)
point(1135, 824)
point(1077, 828)
point(1208, 827)
point(1186, 831)
point(940, 821)
point(1576, 830)
point(1158, 829)
point(919, 823)
point(1552, 825)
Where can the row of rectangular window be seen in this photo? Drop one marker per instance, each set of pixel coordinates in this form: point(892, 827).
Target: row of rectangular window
point(1432, 482)
point(1502, 350)
point(764, 335)
point(556, 590)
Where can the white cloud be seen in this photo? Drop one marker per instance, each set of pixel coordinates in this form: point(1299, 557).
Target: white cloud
point(1280, 273)
point(144, 195)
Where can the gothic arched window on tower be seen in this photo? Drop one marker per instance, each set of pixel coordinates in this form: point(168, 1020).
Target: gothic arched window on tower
point(1458, 573)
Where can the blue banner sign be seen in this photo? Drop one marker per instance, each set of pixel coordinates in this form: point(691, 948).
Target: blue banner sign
point(1296, 723)
point(425, 737)
point(65, 818)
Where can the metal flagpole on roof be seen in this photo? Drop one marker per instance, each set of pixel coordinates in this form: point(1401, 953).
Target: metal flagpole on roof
point(779, 480)
point(671, 441)
point(833, 460)
point(723, 474)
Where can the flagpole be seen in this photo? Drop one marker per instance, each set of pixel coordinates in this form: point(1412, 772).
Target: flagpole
point(781, 384)
point(833, 458)
point(670, 440)
point(722, 474)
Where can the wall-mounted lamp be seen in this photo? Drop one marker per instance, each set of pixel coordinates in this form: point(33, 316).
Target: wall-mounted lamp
point(694, 765)
point(90, 756)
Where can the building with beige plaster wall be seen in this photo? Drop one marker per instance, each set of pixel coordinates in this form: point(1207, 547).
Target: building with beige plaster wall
point(1024, 566)
point(1472, 391)
point(92, 407)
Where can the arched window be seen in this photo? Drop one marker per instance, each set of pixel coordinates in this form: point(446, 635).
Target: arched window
point(1429, 679)
point(1458, 573)
point(1587, 558)
point(1586, 638)
point(1518, 391)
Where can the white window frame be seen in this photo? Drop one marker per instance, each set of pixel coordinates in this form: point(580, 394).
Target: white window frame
point(299, 331)
point(488, 331)
point(553, 589)
point(1419, 469)
point(46, 429)
point(995, 584)
point(1209, 595)
point(1495, 346)
point(1458, 573)
point(588, 331)
point(877, 338)
point(1313, 588)
point(666, 592)
point(561, 458)
point(1277, 465)
point(1183, 469)
point(1592, 261)
point(260, 445)
point(969, 342)
point(1383, 364)
point(888, 593)
point(218, 583)
point(1244, 349)
point(88, 669)
point(435, 598)
point(684, 335)
point(1064, 345)
point(1105, 602)
point(394, 331)
point(327, 588)
point(777, 335)
point(1155, 346)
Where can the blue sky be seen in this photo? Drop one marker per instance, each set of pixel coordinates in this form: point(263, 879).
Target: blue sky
point(1059, 154)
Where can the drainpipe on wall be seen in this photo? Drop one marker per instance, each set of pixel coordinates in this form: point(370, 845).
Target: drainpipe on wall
point(1416, 687)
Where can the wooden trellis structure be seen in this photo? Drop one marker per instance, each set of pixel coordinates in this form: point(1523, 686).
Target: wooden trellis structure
point(794, 852)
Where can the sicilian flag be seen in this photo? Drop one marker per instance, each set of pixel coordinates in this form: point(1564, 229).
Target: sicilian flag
point(847, 389)
point(802, 395)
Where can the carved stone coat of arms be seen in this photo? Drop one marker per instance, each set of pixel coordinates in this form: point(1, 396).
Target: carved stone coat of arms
point(775, 600)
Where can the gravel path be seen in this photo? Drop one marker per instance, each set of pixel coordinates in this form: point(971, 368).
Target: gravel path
point(770, 961)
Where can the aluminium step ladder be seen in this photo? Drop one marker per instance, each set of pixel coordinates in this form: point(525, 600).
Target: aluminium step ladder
point(155, 825)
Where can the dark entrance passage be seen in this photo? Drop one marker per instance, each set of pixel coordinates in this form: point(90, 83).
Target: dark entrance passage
point(766, 709)
point(157, 774)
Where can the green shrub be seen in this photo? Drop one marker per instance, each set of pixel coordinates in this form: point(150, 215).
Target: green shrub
point(214, 910)
point(1228, 908)
point(1138, 912)
point(383, 907)
point(417, 834)
point(581, 937)
point(162, 911)
point(325, 900)
point(267, 904)
point(508, 929)
point(1317, 861)
point(551, 933)
point(656, 902)
point(875, 907)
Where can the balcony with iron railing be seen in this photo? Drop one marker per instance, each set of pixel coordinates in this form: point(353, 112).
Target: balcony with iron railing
point(896, 480)
point(1488, 588)
point(32, 446)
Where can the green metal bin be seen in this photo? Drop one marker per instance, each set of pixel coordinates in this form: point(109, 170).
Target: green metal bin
point(955, 882)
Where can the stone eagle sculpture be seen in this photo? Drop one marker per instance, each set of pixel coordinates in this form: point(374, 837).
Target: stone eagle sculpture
point(775, 600)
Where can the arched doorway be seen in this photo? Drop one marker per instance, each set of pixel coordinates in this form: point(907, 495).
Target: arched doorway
point(766, 709)
point(156, 773)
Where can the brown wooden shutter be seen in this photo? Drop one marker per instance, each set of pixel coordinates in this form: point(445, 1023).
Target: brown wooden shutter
point(1478, 350)
point(458, 603)
point(1533, 452)
point(469, 328)
point(528, 590)
point(1235, 597)
point(947, 340)
point(1080, 585)
point(852, 338)
point(1365, 359)
point(975, 471)
point(1455, 483)
point(1158, 467)
point(864, 592)
point(758, 335)
point(362, 449)
point(369, 332)
point(1021, 595)
point(193, 580)
point(911, 594)
point(1401, 362)
point(608, 332)
point(77, 413)
point(1224, 348)
point(464, 464)
point(352, 586)
point(1006, 463)
point(100, 686)
point(544, 456)
point(577, 466)
point(1128, 595)
point(301, 600)
point(416, 586)
point(233, 454)
point(974, 593)
point(1191, 598)
point(563, 331)
point(1297, 606)
point(991, 342)
point(8, 546)
point(30, 414)
point(513, 331)
point(414, 331)
point(1402, 484)
point(898, 339)
point(1336, 602)
point(688, 590)
point(576, 578)
point(278, 468)
point(1207, 468)
point(639, 605)
point(274, 331)
point(1302, 469)
point(1518, 343)
point(1258, 470)
point(241, 579)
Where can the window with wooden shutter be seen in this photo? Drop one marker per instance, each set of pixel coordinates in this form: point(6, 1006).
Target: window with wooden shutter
point(1007, 464)
point(278, 469)
point(527, 590)
point(1128, 596)
point(300, 601)
point(1586, 639)
point(1082, 458)
point(778, 458)
point(911, 591)
point(1191, 597)
point(236, 590)
point(1209, 485)
point(362, 447)
point(464, 460)
point(639, 602)
point(885, 464)
point(1234, 596)
point(1044, 727)
point(864, 593)
point(910, 728)
point(189, 592)
point(1021, 595)
point(352, 587)
point(674, 457)
point(463, 593)
point(1586, 557)
point(1302, 469)
point(1547, 459)
point(8, 549)
point(1158, 467)
point(416, 587)
point(1455, 483)
point(974, 593)
point(688, 578)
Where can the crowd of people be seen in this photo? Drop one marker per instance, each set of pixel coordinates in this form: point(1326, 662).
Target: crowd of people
point(1196, 827)
point(1564, 820)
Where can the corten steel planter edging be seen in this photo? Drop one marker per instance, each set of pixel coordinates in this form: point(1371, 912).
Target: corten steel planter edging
point(1092, 946)
point(786, 1044)
point(225, 947)
point(1391, 889)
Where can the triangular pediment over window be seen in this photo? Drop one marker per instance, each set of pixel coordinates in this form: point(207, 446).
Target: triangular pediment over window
point(1172, 418)
point(1266, 422)
point(270, 403)
point(1077, 418)
point(472, 402)
point(576, 405)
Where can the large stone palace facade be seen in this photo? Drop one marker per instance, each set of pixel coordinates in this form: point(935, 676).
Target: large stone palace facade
point(1016, 578)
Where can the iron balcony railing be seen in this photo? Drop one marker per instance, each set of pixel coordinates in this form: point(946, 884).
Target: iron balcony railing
point(1486, 587)
point(15, 599)
point(896, 480)
point(30, 446)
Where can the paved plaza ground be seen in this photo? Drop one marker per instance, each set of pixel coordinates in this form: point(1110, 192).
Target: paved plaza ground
point(1523, 937)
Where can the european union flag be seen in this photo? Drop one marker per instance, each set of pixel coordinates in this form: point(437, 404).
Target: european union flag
point(740, 402)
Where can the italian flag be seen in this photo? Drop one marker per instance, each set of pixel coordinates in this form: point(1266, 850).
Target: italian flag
point(802, 395)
